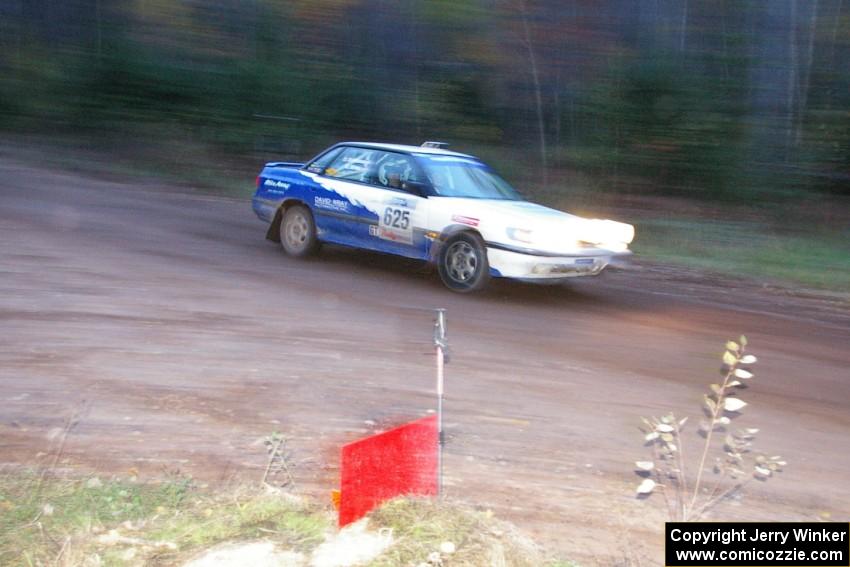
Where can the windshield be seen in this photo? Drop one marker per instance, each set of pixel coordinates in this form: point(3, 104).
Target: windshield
point(461, 177)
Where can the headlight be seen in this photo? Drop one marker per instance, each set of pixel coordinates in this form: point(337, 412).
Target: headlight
point(607, 232)
point(520, 234)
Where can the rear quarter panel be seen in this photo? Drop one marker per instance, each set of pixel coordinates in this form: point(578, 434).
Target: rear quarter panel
point(276, 184)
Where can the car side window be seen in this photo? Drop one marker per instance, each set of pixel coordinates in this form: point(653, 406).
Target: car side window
point(353, 164)
point(394, 171)
point(389, 170)
point(320, 163)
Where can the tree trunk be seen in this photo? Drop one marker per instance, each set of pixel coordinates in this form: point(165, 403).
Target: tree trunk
point(417, 101)
point(99, 24)
point(537, 96)
point(790, 102)
point(725, 33)
point(835, 23)
point(557, 104)
point(804, 88)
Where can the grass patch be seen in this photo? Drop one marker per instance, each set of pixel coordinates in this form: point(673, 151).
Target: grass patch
point(420, 526)
point(47, 520)
point(118, 522)
point(751, 250)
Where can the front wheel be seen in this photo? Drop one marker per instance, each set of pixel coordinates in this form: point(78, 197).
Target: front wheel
point(298, 232)
point(463, 263)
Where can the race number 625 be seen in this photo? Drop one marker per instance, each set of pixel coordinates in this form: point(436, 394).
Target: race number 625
point(396, 218)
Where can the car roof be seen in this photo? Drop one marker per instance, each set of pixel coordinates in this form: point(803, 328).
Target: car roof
point(406, 149)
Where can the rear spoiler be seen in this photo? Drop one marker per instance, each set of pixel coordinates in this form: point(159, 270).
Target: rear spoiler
point(290, 164)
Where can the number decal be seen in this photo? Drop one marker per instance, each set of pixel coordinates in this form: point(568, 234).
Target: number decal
point(395, 225)
point(397, 218)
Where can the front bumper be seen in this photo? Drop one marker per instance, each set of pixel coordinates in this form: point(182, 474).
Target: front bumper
point(530, 266)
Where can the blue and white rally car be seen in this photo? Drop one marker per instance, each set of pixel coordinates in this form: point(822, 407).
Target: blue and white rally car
point(432, 204)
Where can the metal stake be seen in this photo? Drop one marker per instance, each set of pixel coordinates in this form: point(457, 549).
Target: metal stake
point(442, 358)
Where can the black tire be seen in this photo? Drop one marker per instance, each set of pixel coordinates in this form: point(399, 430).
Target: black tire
point(463, 263)
point(298, 232)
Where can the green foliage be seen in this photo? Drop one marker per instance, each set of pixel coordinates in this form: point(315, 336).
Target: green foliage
point(666, 129)
point(818, 257)
point(623, 102)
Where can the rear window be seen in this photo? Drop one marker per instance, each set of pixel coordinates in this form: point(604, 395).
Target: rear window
point(319, 164)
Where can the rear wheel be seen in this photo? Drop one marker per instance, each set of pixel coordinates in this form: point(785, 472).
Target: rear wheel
point(298, 232)
point(463, 263)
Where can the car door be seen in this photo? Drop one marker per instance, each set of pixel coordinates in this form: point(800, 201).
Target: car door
point(402, 212)
point(385, 215)
point(338, 201)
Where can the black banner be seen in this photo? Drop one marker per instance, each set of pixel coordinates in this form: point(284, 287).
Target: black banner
point(757, 544)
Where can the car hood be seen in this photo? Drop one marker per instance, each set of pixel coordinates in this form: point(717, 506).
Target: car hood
point(551, 230)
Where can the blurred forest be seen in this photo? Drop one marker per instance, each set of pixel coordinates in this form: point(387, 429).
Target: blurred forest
point(702, 99)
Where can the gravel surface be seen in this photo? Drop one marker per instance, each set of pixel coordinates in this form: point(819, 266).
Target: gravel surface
point(175, 338)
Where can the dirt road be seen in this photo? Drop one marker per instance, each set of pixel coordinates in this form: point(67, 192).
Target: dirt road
point(180, 337)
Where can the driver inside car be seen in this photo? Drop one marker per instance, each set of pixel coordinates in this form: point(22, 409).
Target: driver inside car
point(392, 176)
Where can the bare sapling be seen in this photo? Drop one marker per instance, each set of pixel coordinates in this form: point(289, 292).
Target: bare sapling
point(279, 463)
point(735, 463)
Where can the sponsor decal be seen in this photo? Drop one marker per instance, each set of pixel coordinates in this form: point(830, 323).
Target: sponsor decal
point(374, 230)
point(388, 234)
point(273, 183)
point(331, 204)
point(465, 220)
point(581, 261)
point(402, 202)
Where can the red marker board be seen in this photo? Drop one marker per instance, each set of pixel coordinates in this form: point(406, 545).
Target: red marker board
point(393, 463)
